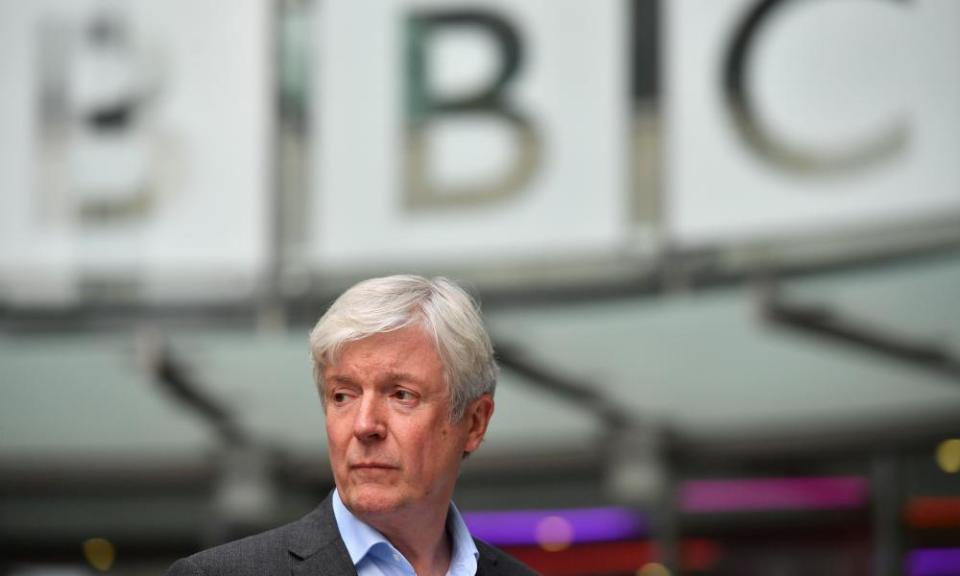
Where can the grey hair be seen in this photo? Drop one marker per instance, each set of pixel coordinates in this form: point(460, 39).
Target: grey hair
point(439, 306)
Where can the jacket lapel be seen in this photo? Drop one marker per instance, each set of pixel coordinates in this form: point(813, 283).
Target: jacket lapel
point(487, 561)
point(326, 561)
point(315, 546)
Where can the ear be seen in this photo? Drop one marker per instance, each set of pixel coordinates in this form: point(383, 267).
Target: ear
point(478, 416)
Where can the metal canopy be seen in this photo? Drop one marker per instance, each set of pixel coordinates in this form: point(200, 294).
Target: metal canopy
point(702, 363)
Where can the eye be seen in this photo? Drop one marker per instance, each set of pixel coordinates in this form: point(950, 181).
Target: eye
point(340, 396)
point(404, 395)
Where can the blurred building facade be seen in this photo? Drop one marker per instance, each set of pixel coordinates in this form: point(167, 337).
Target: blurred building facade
point(717, 245)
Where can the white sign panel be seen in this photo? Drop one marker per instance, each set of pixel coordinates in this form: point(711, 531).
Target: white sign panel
point(799, 118)
point(135, 145)
point(468, 133)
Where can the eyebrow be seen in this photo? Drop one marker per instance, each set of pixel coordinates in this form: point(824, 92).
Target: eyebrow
point(340, 379)
point(402, 377)
point(389, 377)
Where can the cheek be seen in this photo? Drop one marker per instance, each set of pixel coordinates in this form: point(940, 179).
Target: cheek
point(445, 445)
point(338, 435)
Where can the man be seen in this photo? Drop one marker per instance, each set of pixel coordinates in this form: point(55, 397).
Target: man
point(406, 375)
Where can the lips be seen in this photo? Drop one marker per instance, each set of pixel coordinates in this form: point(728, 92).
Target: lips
point(371, 466)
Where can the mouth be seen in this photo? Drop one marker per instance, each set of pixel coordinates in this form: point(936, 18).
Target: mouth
point(371, 466)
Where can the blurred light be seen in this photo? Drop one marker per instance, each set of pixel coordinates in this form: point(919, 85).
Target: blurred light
point(521, 527)
point(616, 558)
point(699, 555)
point(773, 494)
point(554, 533)
point(99, 553)
point(933, 512)
point(948, 456)
point(653, 569)
point(598, 559)
point(934, 562)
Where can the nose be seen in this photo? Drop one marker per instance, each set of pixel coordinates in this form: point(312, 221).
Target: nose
point(369, 424)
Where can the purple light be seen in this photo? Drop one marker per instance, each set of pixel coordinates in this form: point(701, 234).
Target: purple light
point(519, 528)
point(773, 494)
point(934, 562)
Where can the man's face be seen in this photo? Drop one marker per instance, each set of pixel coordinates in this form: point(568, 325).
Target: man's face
point(392, 445)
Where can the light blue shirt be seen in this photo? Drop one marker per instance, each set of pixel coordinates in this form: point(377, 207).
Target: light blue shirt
point(373, 555)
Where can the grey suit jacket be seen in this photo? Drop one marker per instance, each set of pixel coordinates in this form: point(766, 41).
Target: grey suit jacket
point(310, 546)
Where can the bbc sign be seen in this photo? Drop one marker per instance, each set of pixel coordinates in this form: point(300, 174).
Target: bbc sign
point(792, 120)
point(463, 137)
point(450, 133)
point(134, 155)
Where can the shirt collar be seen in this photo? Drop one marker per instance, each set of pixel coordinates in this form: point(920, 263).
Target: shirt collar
point(360, 538)
point(463, 559)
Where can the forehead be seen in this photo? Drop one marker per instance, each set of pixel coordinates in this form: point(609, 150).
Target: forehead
point(407, 350)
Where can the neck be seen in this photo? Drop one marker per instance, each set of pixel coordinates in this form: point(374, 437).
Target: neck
point(421, 537)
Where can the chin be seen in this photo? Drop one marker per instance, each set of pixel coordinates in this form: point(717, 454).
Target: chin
point(372, 500)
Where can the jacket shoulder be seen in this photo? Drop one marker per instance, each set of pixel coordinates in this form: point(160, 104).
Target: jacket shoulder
point(495, 561)
point(264, 553)
point(305, 544)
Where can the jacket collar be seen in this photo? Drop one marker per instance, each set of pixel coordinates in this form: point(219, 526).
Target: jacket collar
point(316, 546)
point(487, 561)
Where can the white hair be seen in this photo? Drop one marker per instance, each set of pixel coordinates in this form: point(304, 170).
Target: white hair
point(441, 307)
